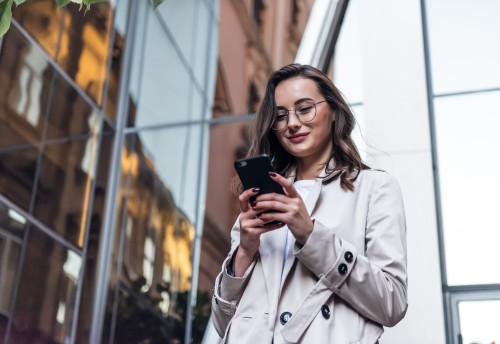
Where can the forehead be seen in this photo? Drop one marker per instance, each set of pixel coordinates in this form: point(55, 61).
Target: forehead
point(289, 91)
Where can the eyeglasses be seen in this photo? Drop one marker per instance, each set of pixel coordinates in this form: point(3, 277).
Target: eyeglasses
point(305, 112)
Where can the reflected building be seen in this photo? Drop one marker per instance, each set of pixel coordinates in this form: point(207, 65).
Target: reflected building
point(118, 130)
point(101, 150)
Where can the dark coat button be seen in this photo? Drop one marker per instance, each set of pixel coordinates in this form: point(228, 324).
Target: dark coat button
point(325, 310)
point(343, 269)
point(348, 256)
point(284, 317)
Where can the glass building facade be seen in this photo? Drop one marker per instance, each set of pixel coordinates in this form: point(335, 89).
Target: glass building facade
point(116, 149)
point(104, 122)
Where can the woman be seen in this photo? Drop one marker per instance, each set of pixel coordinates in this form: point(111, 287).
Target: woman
point(332, 268)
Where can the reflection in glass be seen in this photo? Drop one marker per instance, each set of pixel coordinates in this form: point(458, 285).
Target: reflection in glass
point(79, 43)
point(468, 148)
point(17, 173)
point(44, 307)
point(462, 49)
point(158, 98)
point(95, 230)
point(180, 168)
point(152, 255)
point(64, 185)
point(26, 77)
point(11, 233)
point(479, 321)
point(69, 114)
point(182, 26)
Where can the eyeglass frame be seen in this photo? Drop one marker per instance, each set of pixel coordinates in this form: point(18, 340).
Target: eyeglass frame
point(298, 117)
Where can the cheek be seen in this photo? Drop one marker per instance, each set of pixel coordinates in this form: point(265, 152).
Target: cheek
point(281, 138)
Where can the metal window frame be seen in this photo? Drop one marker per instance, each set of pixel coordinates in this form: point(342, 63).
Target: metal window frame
point(317, 45)
point(452, 294)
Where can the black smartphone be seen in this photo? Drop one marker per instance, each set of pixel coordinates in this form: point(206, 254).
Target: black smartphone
point(254, 173)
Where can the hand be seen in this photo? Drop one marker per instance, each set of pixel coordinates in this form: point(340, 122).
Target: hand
point(290, 209)
point(251, 228)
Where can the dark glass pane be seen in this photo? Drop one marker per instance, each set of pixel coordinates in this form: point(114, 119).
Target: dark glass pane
point(17, 173)
point(44, 308)
point(11, 235)
point(154, 243)
point(79, 43)
point(69, 114)
point(63, 190)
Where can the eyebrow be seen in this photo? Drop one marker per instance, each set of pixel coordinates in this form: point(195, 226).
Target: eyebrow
point(298, 101)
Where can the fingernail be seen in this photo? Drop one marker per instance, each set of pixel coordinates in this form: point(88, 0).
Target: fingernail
point(272, 174)
point(255, 190)
point(253, 204)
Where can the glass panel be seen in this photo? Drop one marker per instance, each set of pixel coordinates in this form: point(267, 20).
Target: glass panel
point(155, 243)
point(179, 16)
point(463, 55)
point(161, 85)
point(63, 191)
point(479, 321)
point(179, 170)
point(469, 163)
point(204, 57)
point(78, 42)
point(69, 114)
point(46, 296)
point(348, 66)
point(11, 235)
point(24, 91)
point(116, 59)
point(94, 235)
point(17, 172)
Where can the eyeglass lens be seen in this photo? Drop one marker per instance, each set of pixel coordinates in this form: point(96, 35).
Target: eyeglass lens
point(305, 112)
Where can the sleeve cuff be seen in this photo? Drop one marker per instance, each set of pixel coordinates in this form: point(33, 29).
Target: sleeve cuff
point(229, 287)
point(327, 256)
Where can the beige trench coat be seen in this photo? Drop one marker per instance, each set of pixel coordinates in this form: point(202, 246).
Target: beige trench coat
point(346, 283)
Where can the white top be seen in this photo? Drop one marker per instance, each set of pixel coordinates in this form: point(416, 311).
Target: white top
point(303, 187)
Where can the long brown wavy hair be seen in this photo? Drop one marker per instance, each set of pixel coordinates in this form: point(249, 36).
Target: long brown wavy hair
point(347, 161)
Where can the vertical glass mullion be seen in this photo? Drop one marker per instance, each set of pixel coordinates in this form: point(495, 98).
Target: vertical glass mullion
point(94, 171)
point(437, 189)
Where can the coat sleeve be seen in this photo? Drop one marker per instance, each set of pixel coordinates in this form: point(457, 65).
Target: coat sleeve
point(373, 282)
point(228, 289)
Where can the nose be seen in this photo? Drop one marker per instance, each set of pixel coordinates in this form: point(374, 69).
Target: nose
point(293, 120)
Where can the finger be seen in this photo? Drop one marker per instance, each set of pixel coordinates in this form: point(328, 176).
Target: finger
point(245, 196)
point(285, 183)
point(260, 227)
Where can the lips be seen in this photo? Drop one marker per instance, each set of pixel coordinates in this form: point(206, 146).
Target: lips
point(298, 137)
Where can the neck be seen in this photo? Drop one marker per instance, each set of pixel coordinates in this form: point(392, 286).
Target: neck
point(310, 168)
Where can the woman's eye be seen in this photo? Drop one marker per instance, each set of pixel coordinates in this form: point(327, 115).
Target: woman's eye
point(281, 117)
point(304, 109)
